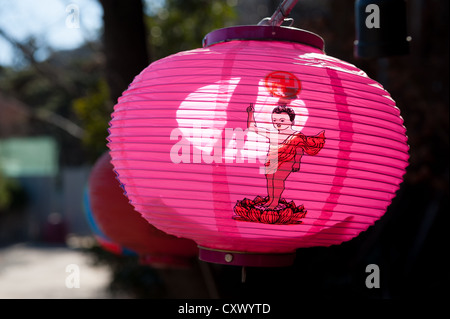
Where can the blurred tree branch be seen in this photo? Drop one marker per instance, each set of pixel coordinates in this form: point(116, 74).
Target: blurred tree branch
point(42, 114)
point(60, 121)
point(49, 72)
point(43, 68)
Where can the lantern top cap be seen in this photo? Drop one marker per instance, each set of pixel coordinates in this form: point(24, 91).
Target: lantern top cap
point(264, 33)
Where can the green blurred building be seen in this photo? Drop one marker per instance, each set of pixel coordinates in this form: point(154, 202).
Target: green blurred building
point(29, 157)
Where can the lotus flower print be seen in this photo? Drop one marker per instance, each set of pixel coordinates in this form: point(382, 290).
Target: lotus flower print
point(254, 211)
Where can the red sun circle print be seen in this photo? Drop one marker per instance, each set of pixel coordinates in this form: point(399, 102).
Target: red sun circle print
point(283, 84)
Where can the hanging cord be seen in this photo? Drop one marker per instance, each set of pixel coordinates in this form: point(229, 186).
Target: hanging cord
point(281, 14)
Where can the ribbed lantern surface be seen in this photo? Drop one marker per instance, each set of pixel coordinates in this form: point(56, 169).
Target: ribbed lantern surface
point(206, 148)
point(121, 224)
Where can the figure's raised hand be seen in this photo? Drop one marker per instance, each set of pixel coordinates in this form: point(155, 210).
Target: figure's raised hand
point(250, 108)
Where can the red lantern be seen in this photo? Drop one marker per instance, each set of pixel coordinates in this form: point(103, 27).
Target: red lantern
point(258, 144)
point(104, 241)
point(119, 222)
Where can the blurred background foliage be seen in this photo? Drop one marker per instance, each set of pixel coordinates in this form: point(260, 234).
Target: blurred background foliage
point(94, 112)
point(181, 25)
point(12, 196)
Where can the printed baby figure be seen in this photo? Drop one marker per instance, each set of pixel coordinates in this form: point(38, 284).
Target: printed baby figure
point(286, 148)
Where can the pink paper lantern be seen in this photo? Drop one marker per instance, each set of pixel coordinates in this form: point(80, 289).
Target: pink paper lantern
point(258, 144)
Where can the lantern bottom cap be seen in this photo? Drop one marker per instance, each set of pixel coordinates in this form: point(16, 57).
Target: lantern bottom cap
point(237, 258)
